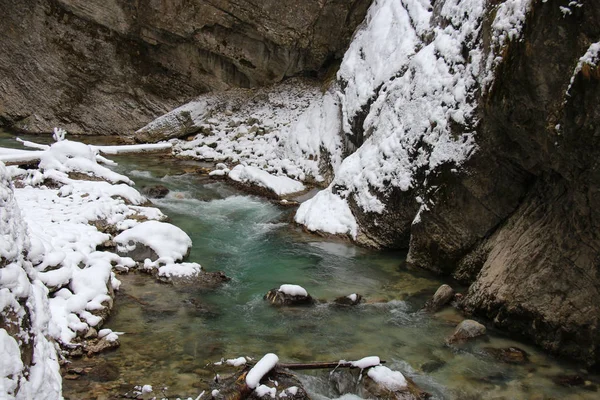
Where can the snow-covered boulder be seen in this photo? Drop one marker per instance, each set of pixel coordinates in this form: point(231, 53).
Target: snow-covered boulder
point(153, 240)
point(69, 157)
point(383, 383)
point(350, 300)
point(289, 295)
point(262, 182)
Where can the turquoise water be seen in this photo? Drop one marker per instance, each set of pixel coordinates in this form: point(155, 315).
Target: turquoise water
point(173, 333)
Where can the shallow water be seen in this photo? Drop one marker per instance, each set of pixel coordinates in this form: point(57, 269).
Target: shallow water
point(172, 334)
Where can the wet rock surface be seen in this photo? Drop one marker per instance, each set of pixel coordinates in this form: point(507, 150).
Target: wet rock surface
point(155, 191)
point(442, 297)
point(353, 299)
point(510, 355)
point(279, 298)
point(465, 331)
point(132, 62)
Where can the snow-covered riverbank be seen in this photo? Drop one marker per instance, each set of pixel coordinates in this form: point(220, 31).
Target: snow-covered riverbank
point(60, 224)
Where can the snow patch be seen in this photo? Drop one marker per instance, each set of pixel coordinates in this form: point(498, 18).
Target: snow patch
point(293, 290)
point(327, 212)
point(391, 380)
point(262, 367)
point(280, 185)
point(167, 241)
point(366, 362)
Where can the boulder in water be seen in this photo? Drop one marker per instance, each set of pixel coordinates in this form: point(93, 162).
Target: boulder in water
point(381, 382)
point(155, 191)
point(509, 355)
point(443, 296)
point(350, 300)
point(466, 330)
point(289, 295)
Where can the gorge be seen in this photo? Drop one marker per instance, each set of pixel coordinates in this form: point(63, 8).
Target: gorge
point(461, 131)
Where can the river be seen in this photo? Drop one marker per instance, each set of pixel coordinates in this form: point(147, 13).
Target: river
point(172, 334)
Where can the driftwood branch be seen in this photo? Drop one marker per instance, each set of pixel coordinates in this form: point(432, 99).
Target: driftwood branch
point(318, 365)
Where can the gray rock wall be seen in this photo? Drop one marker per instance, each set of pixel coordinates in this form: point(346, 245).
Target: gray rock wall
point(110, 67)
point(522, 220)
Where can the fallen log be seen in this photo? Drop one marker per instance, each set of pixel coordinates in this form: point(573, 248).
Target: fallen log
point(319, 365)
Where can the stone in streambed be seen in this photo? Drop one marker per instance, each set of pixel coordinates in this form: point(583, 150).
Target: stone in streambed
point(350, 300)
point(155, 191)
point(465, 331)
point(381, 382)
point(509, 355)
point(99, 346)
point(289, 295)
point(443, 296)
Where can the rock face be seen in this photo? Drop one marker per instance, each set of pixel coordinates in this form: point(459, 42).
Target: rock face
point(492, 175)
point(93, 66)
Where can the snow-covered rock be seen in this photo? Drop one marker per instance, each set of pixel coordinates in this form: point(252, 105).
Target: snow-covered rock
point(279, 185)
point(289, 295)
point(153, 240)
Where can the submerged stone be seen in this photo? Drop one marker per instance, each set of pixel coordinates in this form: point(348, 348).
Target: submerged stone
point(443, 296)
point(155, 191)
point(509, 355)
point(466, 330)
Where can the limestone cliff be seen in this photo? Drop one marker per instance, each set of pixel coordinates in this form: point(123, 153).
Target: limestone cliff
point(109, 67)
point(482, 160)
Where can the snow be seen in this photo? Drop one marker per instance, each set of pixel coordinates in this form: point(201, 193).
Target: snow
point(167, 241)
point(391, 380)
point(11, 365)
point(353, 297)
point(293, 290)
point(327, 212)
point(67, 156)
point(133, 148)
point(236, 362)
point(168, 268)
point(292, 391)
point(262, 367)
point(264, 390)
point(366, 362)
point(591, 57)
point(280, 129)
point(280, 185)
point(20, 286)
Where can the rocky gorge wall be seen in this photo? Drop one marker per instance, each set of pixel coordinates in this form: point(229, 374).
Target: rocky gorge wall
point(110, 67)
point(479, 154)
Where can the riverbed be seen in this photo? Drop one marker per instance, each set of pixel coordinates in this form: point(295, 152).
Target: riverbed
point(172, 335)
